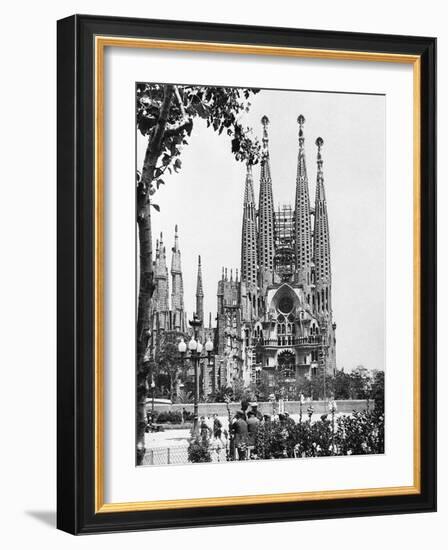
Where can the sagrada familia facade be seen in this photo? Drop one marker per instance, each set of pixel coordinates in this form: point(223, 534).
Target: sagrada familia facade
point(274, 321)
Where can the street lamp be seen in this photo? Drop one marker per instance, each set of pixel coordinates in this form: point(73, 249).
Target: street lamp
point(192, 344)
point(209, 349)
point(195, 349)
point(153, 387)
point(182, 347)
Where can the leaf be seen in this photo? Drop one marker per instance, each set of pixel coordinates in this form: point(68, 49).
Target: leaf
point(156, 206)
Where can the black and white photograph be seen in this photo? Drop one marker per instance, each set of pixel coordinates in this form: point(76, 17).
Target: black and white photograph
point(260, 261)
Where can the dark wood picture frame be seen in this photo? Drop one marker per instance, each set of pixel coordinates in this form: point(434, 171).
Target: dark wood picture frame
point(80, 508)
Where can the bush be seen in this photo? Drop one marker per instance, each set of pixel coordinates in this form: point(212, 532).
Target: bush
point(361, 433)
point(198, 450)
point(173, 417)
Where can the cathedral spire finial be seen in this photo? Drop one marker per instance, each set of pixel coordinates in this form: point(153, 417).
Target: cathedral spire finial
point(301, 122)
point(320, 162)
point(265, 124)
point(176, 240)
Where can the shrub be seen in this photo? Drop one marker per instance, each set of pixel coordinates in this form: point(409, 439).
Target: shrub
point(173, 417)
point(198, 450)
point(361, 433)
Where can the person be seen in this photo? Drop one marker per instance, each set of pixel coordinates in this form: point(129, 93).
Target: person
point(252, 430)
point(184, 415)
point(244, 407)
point(217, 427)
point(209, 422)
point(239, 428)
point(267, 418)
point(257, 413)
point(204, 429)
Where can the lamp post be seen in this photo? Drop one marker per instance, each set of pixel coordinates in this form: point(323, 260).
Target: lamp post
point(333, 408)
point(153, 387)
point(195, 350)
point(209, 349)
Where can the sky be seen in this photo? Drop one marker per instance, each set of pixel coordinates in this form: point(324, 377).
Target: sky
point(205, 199)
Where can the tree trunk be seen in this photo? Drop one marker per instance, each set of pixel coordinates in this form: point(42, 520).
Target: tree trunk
point(146, 289)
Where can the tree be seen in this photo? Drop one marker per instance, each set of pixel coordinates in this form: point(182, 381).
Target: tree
point(316, 386)
point(378, 390)
point(165, 115)
point(341, 385)
point(168, 361)
point(360, 383)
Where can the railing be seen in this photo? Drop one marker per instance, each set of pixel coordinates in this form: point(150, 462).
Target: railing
point(161, 456)
point(284, 340)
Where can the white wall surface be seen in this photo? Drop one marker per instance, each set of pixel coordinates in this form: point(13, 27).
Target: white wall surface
point(28, 268)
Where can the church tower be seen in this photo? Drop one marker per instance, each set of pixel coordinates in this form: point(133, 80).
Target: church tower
point(322, 260)
point(249, 263)
point(266, 247)
point(177, 285)
point(199, 293)
point(162, 284)
point(302, 219)
point(322, 263)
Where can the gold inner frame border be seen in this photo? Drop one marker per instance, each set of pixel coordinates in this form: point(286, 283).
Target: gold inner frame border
point(100, 43)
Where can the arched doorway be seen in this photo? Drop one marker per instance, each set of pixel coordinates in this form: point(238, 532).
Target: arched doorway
point(287, 366)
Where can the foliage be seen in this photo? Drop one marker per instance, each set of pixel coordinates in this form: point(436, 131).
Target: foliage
point(220, 107)
point(378, 391)
point(185, 396)
point(358, 384)
point(167, 362)
point(165, 115)
point(223, 394)
point(199, 450)
point(360, 433)
point(173, 417)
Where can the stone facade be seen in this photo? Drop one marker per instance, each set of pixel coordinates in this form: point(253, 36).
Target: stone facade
point(276, 326)
point(274, 321)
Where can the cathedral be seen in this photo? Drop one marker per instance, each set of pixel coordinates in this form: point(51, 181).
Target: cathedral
point(274, 322)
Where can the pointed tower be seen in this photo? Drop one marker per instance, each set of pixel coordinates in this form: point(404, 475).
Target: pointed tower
point(199, 293)
point(322, 260)
point(322, 267)
point(249, 233)
point(177, 285)
point(162, 285)
point(302, 219)
point(266, 248)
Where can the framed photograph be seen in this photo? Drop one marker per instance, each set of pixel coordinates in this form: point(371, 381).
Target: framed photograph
point(246, 274)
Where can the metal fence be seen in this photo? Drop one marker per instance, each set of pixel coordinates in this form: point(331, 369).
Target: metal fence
point(160, 456)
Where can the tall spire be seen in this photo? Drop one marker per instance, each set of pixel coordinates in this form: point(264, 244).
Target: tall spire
point(177, 285)
point(249, 233)
point(199, 293)
point(302, 217)
point(161, 277)
point(266, 250)
point(322, 259)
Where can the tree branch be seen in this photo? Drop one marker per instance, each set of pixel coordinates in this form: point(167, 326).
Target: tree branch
point(173, 129)
point(153, 149)
point(181, 103)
